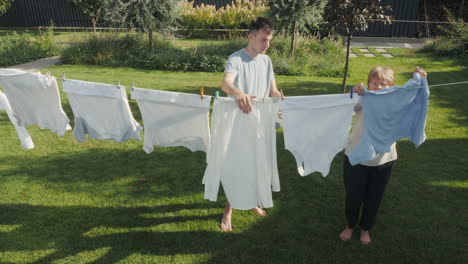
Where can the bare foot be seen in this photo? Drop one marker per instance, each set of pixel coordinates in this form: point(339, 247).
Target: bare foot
point(346, 234)
point(226, 220)
point(365, 237)
point(259, 211)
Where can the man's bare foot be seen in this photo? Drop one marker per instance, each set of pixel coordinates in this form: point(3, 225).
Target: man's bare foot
point(226, 220)
point(346, 234)
point(259, 211)
point(365, 237)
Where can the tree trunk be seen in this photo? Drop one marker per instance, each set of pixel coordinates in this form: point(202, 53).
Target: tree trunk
point(461, 9)
point(94, 22)
point(151, 41)
point(293, 39)
point(348, 44)
point(95, 19)
point(425, 17)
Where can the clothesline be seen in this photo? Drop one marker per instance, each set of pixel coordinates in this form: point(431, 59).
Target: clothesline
point(432, 85)
point(436, 85)
point(418, 21)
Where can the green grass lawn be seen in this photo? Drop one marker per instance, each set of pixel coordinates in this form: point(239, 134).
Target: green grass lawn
point(104, 202)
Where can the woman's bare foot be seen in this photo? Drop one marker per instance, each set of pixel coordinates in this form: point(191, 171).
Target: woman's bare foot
point(226, 220)
point(259, 211)
point(365, 237)
point(346, 234)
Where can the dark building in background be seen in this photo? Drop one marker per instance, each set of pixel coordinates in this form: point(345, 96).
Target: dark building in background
point(40, 13)
point(35, 13)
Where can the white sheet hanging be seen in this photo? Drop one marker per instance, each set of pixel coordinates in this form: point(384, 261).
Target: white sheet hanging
point(101, 111)
point(173, 119)
point(34, 99)
point(242, 154)
point(316, 128)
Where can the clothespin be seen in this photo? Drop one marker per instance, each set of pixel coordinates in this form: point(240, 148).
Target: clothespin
point(282, 94)
point(132, 86)
point(202, 91)
point(63, 77)
point(216, 94)
point(118, 84)
point(351, 87)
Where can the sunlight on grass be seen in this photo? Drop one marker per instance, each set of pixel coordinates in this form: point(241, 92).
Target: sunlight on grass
point(88, 256)
point(184, 212)
point(452, 184)
point(23, 256)
point(179, 258)
point(8, 228)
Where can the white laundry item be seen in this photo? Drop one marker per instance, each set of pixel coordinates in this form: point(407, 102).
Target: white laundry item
point(173, 119)
point(25, 139)
point(34, 99)
point(316, 128)
point(242, 154)
point(101, 111)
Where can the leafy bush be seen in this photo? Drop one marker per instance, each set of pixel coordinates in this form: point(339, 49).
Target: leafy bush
point(18, 48)
point(237, 15)
point(132, 51)
point(453, 43)
point(314, 56)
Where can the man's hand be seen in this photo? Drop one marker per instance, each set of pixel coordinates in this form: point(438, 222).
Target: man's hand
point(244, 103)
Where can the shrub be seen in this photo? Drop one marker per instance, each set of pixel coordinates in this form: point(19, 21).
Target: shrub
point(237, 15)
point(18, 48)
point(131, 50)
point(453, 43)
point(314, 56)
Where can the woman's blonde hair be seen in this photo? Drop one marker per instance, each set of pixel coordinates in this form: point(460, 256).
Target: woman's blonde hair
point(383, 73)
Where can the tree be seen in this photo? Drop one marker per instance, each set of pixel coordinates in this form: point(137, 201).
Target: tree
point(295, 16)
point(90, 8)
point(145, 15)
point(352, 16)
point(4, 5)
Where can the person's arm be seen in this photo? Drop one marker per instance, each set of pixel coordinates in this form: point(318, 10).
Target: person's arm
point(359, 88)
point(274, 92)
point(242, 99)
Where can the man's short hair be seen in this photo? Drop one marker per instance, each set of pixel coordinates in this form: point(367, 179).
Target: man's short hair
point(260, 23)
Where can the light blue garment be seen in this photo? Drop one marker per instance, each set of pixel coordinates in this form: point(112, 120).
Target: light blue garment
point(391, 114)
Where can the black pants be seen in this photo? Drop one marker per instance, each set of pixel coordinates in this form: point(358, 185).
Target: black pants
point(365, 186)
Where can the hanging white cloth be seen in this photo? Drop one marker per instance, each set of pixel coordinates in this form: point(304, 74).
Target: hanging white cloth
point(101, 111)
point(23, 135)
point(34, 99)
point(316, 128)
point(173, 119)
point(242, 155)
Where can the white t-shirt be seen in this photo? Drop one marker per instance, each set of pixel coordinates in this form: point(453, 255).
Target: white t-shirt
point(253, 75)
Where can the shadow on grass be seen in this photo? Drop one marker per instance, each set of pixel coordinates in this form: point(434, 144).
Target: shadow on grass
point(165, 172)
point(301, 228)
point(70, 230)
point(418, 222)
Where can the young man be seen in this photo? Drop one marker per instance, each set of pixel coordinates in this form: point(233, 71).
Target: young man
point(249, 74)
